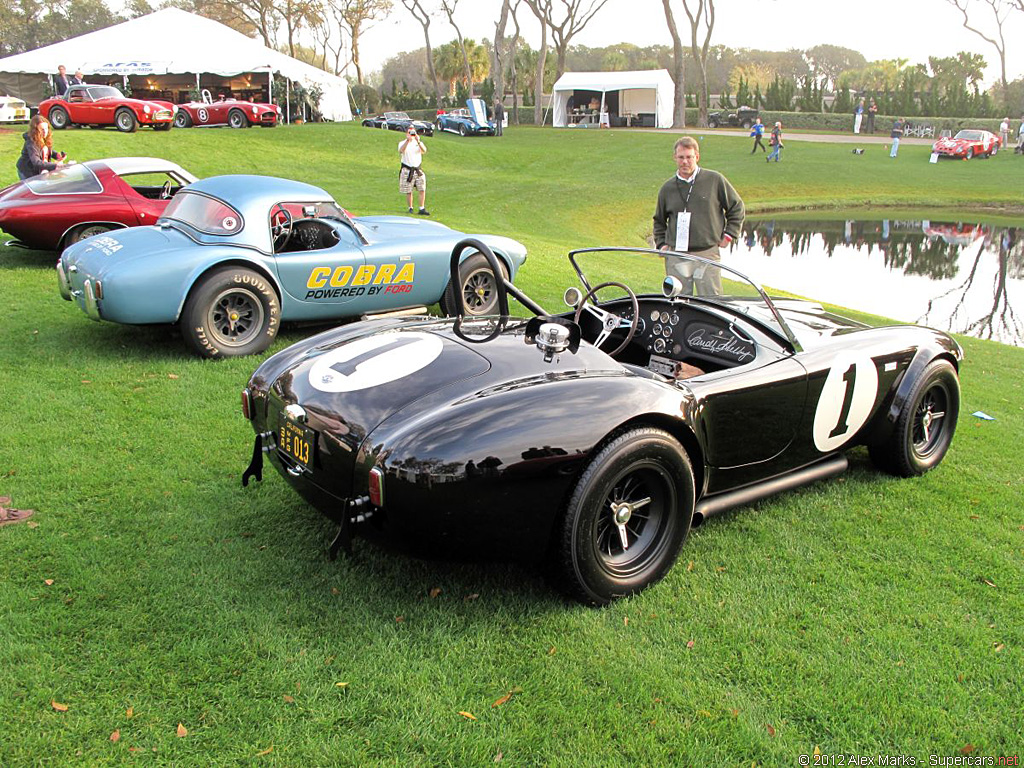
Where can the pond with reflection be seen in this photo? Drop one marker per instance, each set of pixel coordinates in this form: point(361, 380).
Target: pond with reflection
point(956, 276)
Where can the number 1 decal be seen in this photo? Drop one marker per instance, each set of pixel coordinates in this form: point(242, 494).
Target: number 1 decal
point(846, 400)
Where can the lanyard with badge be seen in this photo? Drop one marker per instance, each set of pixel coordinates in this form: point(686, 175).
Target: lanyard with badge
point(683, 217)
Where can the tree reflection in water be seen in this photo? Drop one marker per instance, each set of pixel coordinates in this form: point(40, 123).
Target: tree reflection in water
point(968, 275)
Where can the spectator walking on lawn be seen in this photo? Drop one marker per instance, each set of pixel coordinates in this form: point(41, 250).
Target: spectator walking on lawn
point(776, 142)
point(757, 131)
point(411, 175)
point(896, 133)
point(858, 116)
point(698, 212)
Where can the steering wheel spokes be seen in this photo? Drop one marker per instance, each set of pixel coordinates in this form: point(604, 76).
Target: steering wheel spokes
point(610, 321)
point(280, 226)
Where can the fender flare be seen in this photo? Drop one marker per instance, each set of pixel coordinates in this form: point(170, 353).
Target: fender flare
point(229, 262)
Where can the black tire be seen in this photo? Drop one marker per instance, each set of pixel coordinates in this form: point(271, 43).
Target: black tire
point(182, 119)
point(462, 129)
point(231, 312)
point(712, 123)
point(650, 469)
point(59, 118)
point(125, 122)
point(747, 124)
point(162, 127)
point(925, 427)
point(83, 231)
point(479, 289)
point(237, 119)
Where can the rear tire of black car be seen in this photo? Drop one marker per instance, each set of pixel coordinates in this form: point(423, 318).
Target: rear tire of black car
point(712, 123)
point(59, 118)
point(231, 312)
point(478, 286)
point(925, 427)
point(237, 119)
point(746, 125)
point(182, 119)
point(125, 121)
point(645, 477)
point(83, 231)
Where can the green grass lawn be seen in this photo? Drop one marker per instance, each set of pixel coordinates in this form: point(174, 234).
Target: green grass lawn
point(864, 615)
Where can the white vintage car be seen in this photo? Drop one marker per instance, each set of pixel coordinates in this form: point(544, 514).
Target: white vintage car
point(13, 110)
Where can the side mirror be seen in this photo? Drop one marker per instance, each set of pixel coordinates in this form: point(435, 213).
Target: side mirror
point(572, 297)
point(671, 287)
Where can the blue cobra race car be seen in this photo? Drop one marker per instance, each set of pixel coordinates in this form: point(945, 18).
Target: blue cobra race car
point(234, 256)
point(470, 120)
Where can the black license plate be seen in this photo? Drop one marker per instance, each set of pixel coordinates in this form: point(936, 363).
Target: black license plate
point(296, 442)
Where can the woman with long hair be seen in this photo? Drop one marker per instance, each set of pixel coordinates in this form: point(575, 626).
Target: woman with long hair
point(37, 155)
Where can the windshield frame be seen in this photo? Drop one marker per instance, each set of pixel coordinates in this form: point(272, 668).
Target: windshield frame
point(192, 226)
point(787, 333)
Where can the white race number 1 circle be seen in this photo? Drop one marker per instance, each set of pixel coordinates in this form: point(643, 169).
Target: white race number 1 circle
point(374, 360)
point(845, 401)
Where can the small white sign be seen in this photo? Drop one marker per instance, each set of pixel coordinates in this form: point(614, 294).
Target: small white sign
point(934, 157)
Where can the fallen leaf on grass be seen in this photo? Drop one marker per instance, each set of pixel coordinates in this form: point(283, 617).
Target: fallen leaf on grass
point(434, 592)
point(342, 685)
point(266, 751)
point(986, 581)
point(115, 736)
point(129, 713)
point(966, 749)
point(328, 660)
point(703, 713)
point(625, 621)
point(173, 376)
point(689, 566)
point(552, 650)
point(504, 699)
point(467, 715)
point(182, 731)
point(48, 582)
point(817, 751)
point(32, 524)
point(474, 596)
point(689, 644)
point(771, 730)
point(288, 699)
point(399, 619)
point(498, 757)
point(999, 647)
point(58, 706)
point(735, 713)
point(335, 591)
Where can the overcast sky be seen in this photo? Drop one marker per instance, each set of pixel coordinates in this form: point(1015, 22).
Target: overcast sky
point(879, 29)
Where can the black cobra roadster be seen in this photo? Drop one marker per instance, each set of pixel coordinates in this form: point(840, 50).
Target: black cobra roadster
point(600, 435)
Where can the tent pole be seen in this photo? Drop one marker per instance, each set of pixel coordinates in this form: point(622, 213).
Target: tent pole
point(199, 88)
point(288, 100)
point(270, 87)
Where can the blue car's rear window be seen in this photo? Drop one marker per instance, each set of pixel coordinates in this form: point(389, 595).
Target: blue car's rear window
point(71, 180)
point(205, 214)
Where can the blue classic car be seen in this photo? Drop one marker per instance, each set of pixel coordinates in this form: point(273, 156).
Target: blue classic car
point(234, 256)
point(470, 120)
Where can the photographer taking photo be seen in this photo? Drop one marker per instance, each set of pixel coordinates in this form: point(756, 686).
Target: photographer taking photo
point(411, 175)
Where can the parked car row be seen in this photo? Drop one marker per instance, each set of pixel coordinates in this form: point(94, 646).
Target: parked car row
point(470, 120)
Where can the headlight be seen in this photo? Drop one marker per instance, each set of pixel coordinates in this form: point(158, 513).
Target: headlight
point(145, 108)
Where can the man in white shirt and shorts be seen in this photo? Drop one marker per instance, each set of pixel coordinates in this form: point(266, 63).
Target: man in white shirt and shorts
point(411, 176)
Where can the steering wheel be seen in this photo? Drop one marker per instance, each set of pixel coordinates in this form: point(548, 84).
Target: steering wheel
point(280, 227)
point(165, 192)
point(609, 320)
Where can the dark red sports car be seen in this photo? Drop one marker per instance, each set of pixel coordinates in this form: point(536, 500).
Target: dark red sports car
point(105, 105)
point(237, 114)
point(53, 210)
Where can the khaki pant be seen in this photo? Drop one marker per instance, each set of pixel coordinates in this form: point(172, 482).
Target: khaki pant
point(697, 279)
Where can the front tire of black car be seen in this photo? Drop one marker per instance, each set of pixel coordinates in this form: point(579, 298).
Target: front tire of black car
point(644, 477)
point(712, 123)
point(926, 425)
point(478, 285)
point(231, 312)
point(59, 118)
point(125, 121)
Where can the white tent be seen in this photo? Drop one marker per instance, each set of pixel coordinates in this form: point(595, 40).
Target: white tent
point(172, 41)
point(645, 92)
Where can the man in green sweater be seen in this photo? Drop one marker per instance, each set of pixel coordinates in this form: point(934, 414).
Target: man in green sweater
point(698, 212)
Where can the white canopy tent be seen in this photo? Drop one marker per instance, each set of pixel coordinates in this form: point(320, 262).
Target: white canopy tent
point(644, 92)
point(172, 41)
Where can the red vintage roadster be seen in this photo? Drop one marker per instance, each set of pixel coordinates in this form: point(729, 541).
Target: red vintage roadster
point(105, 105)
point(237, 114)
point(54, 210)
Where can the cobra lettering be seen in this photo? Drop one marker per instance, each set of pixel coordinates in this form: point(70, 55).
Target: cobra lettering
point(328, 283)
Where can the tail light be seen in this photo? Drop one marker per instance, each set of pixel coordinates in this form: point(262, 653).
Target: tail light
point(247, 404)
point(377, 487)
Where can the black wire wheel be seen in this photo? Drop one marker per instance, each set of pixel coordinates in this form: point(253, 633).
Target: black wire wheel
point(627, 518)
point(925, 427)
point(231, 312)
